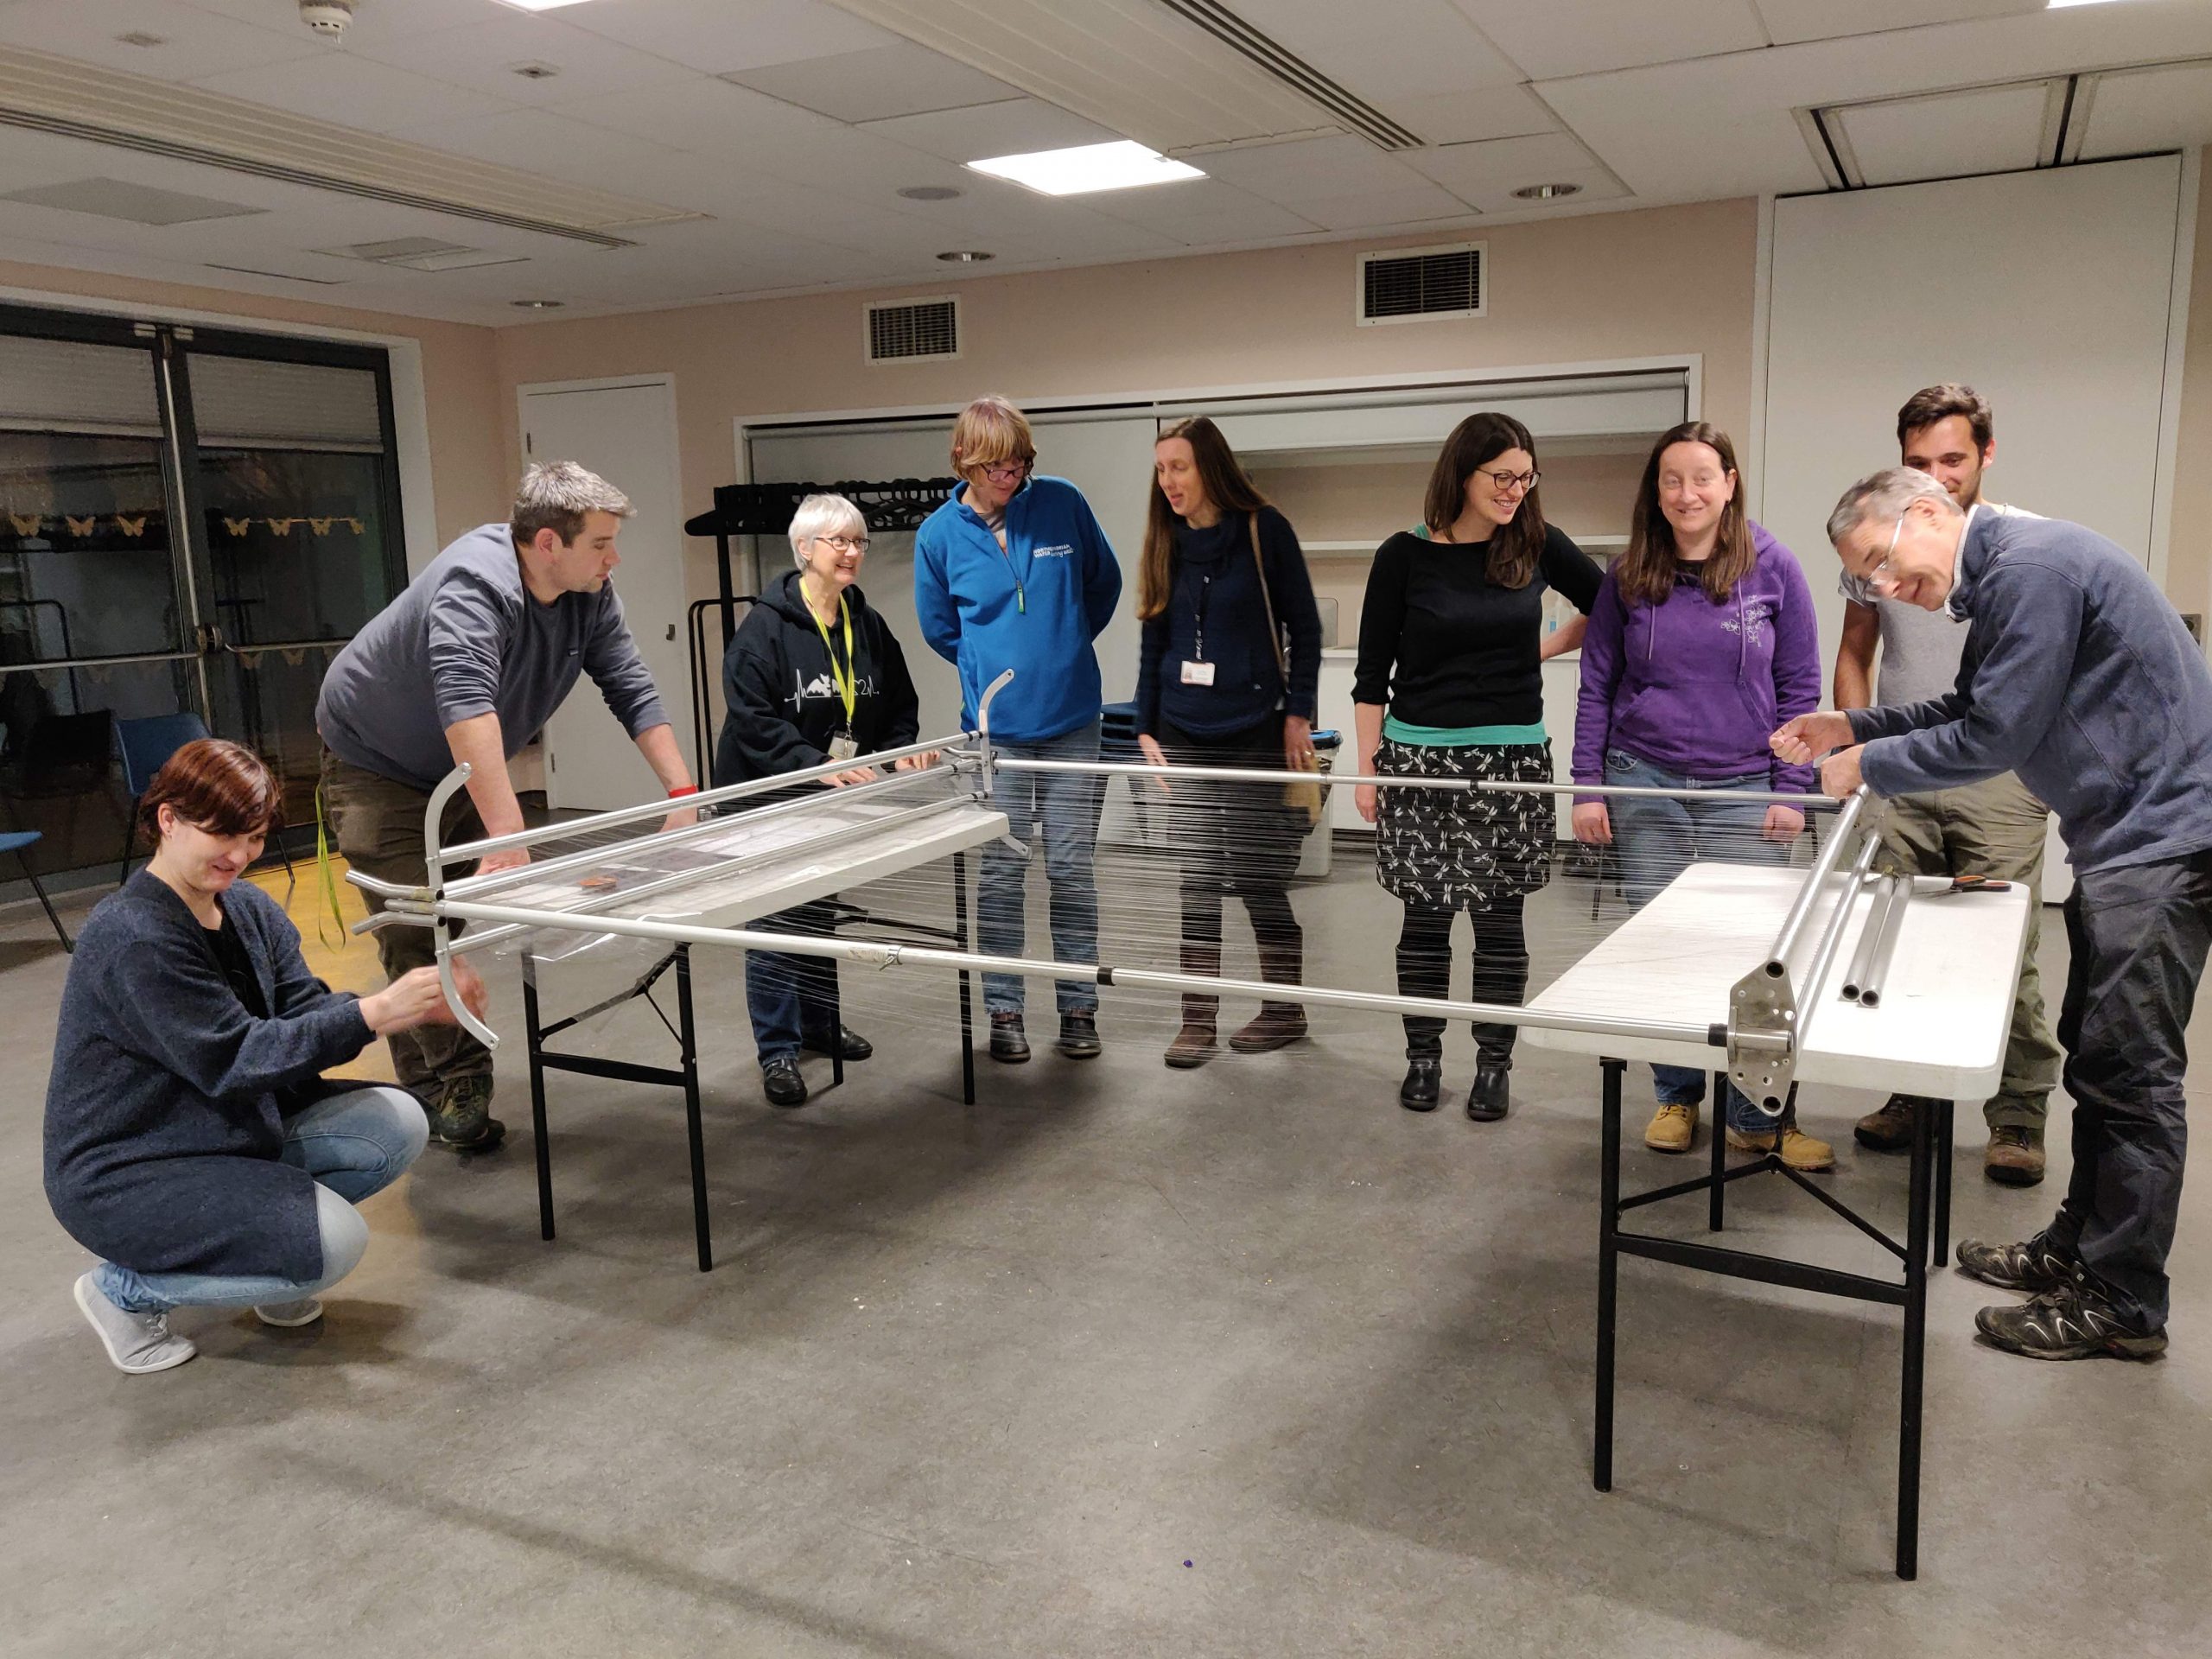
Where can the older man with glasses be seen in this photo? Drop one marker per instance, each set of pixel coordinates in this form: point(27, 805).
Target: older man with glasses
point(1013, 572)
point(2079, 676)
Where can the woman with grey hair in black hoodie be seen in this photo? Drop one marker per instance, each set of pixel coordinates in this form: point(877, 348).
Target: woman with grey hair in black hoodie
point(812, 676)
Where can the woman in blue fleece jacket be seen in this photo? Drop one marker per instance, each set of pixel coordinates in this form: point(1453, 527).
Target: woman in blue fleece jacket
point(1013, 572)
point(1702, 641)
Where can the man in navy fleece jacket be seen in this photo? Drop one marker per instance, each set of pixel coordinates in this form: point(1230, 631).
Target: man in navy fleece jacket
point(2080, 676)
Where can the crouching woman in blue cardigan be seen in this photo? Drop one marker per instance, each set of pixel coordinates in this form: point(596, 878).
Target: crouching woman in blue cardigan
point(191, 1141)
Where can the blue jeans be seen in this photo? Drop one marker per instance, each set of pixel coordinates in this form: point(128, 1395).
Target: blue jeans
point(1067, 804)
point(789, 996)
point(353, 1144)
point(1655, 841)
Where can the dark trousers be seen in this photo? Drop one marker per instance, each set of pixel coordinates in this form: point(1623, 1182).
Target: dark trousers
point(2138, 938)
point(1235, 839)
point(789, 996)
point(1500, 971)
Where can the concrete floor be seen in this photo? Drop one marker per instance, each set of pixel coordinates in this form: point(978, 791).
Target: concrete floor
point(1121, 1361)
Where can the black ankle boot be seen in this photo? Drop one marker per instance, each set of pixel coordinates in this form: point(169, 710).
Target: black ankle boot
point(1424, 1082)
point(1490, 1097)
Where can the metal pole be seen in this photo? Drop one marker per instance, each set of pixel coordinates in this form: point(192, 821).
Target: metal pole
point(887, 954)
point(569, 828)
point(1824, 953)
point(1885, 947)
point(1777, 959)
point(1855, 975)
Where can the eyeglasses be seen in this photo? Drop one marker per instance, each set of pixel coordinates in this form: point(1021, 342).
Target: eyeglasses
point(1005, 472)
point(844, 543)
point(1884, 575)
point(1504, 482)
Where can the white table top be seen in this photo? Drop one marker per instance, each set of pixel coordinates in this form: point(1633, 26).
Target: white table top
point(753, 867)
point(1939, 1029)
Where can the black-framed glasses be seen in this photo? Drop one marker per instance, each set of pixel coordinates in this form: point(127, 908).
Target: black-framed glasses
point(1005, 472)
point(1504, 482)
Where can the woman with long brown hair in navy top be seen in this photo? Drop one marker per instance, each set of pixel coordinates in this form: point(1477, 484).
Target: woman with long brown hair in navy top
point(1229, 666)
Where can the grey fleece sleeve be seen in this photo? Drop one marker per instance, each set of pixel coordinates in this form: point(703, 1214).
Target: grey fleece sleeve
point(612, 660)
point(2027, 630)
point(468, 625)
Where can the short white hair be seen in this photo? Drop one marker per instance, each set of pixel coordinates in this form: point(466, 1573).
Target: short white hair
point(1884, 495)
point(823, 515)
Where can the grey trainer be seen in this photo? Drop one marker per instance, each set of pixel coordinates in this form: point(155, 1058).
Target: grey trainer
point(290, 1316)
point(138, 1342)
point(464, 1119)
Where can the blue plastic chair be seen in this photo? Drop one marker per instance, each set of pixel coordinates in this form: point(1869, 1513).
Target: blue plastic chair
point(20, 841)
point(145, 746)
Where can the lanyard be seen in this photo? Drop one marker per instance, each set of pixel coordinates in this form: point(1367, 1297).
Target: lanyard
point(847, 681)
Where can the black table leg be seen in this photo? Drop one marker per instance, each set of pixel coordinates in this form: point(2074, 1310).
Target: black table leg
point(537, 1094)
point(1916, 1337)
point(1609, 1200)
point(1945, 1129)
point(967, 992)
point(688, 1035)
point(1714, 1204)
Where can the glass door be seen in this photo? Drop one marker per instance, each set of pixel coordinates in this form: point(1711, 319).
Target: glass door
point(190, 521)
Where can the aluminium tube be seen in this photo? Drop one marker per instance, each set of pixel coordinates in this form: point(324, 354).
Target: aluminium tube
point(1877, 974)
point(1831, 941)
point(1333, 780)
point(1862, 958)
point(876, 955)
point(1777, 959)
point(573, 827)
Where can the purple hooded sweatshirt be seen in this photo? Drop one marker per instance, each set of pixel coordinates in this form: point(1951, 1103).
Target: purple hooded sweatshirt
point(1697, 688)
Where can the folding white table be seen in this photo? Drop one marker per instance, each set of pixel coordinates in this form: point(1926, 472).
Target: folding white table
point(1939, 1031)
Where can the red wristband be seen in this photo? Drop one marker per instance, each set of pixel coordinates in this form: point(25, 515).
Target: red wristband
point(687, 789)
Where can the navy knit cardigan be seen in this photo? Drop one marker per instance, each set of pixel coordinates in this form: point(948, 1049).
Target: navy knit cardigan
point(165, 1113)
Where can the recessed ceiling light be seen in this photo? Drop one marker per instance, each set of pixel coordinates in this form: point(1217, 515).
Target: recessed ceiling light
point(1118, 166)
point(929, 192)
point(1547, 192)
point(2056, 5)
point(140, 37)
point(538, 305)
point(534, 71)
point(965, 255)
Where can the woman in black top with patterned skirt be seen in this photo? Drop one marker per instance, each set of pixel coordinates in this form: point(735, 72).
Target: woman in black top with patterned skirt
point(1231, 658)
point(1447, 685)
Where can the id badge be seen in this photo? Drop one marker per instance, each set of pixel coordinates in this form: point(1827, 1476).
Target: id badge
point(843, 748)
point(1198, 673)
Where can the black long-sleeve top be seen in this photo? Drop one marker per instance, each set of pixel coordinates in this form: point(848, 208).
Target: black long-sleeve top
point(1443, 646)
point(1216, 593)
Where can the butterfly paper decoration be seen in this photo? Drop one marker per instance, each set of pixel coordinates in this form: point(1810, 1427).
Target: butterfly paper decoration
point(355, 525)
point(132, 527)
point(25, 527)
point(83, 526)
point(320, 526)
point(237, 526)
point(283, 526)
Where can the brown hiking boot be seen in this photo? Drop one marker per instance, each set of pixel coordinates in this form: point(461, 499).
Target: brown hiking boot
point(1889, 1129)
point(1799, 1150)
point(2015, 1155)
point(1194, 1044)
point(1672, 1129)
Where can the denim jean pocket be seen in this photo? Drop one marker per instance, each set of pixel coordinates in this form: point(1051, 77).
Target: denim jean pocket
point(1619, 761)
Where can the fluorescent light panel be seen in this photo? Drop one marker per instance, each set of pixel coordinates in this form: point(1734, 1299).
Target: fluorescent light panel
point(1121, 165)
point(539, 5)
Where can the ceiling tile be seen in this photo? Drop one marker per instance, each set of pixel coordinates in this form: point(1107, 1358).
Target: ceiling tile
point(1465, 116)
point(138, 203)
point(1385, 48)
point(718, 36)
point(483, 56)
point(1495, 165)
point(1822, 20)
point(194, 42)
point(1307, 169)
point(1593, 184)
point(877, 83)
point(2150, 109)
point(1990, 131)
point(353, 91)
point(375, 21)
point(1015, 127)
point(1582, 37)
point(552, 146)
point(1374, 209)
point(1199, 212)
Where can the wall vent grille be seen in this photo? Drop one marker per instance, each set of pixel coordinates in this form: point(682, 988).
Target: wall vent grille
point(905, 330)
point(1412, 284)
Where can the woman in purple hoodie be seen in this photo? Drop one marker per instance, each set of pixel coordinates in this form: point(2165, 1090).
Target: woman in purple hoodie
point(1701, 642)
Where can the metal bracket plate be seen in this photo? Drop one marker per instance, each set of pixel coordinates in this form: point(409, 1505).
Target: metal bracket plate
point(1762, 1038)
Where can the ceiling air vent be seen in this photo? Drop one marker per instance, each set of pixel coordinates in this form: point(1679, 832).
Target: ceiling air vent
point(1414, 284)
point(908, 329)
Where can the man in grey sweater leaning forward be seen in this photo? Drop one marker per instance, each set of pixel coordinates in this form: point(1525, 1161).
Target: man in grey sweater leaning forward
point(468, 666)
point(2080, 676)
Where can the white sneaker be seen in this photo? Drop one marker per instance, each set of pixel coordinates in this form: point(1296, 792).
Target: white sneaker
point(290, 1316)
point(138, 1342)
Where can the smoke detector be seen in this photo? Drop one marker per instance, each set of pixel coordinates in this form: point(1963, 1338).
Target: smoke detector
point(327, 16)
